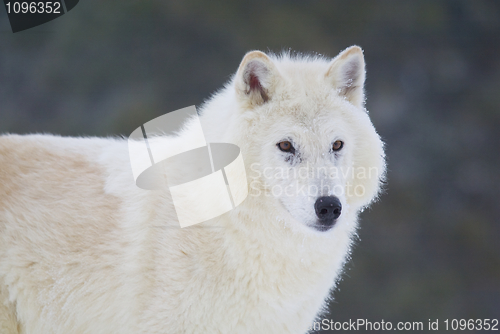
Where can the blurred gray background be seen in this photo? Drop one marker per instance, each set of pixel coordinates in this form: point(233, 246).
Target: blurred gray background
point(429, 249)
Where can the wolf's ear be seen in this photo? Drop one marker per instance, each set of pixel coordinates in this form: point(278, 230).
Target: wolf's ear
point(256, 78)
point(347, 74)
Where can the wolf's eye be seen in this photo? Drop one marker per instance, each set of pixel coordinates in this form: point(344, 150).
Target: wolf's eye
point(286, 146)
point(337, 145)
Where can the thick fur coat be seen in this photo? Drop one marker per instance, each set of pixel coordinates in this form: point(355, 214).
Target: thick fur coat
point(84, 250)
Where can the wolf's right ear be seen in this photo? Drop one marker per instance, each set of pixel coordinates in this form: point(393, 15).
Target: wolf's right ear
point(256, 78)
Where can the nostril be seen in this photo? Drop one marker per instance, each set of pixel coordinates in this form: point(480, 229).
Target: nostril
point(323, 211)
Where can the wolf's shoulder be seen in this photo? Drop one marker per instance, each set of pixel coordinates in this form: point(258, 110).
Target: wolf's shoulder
point(37, 159)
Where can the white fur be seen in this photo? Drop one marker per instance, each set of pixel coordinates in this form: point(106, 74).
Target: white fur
point(83, 250)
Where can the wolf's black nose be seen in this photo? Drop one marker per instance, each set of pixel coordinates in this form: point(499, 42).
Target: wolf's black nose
point(328, 208)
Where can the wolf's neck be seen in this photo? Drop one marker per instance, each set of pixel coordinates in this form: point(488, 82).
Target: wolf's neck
point(217, 117)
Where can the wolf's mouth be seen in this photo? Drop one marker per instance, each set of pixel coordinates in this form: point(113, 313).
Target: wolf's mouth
point(322, 227)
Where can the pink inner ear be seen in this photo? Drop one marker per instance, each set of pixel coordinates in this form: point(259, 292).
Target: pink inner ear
point(254, 83)
point(256, 86)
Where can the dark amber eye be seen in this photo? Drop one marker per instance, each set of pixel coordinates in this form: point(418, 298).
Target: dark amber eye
point(337, 145)
point(286, 146)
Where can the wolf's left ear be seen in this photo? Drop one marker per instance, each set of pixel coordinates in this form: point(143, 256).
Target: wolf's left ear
point(347, 74)
point(256, 78)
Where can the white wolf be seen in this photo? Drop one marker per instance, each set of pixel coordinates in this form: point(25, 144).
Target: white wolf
point(83, 250)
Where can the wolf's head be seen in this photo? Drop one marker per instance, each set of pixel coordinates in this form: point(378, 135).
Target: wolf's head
point(306, 138)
